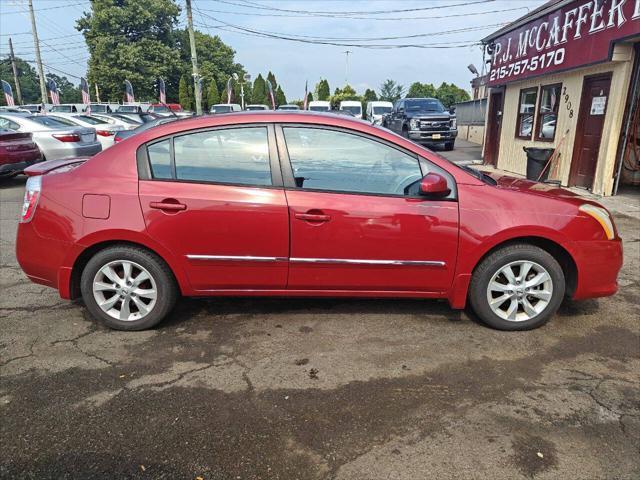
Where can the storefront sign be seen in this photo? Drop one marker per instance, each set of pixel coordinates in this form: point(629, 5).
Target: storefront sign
point(580, 33)
point(597, 105)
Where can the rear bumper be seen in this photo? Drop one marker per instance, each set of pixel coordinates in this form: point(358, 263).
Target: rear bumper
point(70, 151)
point(598, 263)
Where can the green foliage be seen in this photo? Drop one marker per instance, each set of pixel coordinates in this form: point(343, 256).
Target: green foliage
point(131, 40)
point(185, 93)
point(323, 92)
point(369, 96)
point(259, 94)
point(390, 91)
point(346, 93)
point(272, 78)
point(30, 85)
point(309, 97)
point(421, 90)
point(213, 97)
point(280, 98)
point(449, 94)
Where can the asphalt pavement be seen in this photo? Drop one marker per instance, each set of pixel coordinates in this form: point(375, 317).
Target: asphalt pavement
point(315, 389)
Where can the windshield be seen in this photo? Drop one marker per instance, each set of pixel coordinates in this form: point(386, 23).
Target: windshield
point(32, 108)
point(91, 120)
point(424, 105)
point(478, 174)
point(62, 108)
point(355, 109)
point(381, 110)
point(319, 108)
point(160, 108)
point(52, 122)
point(99, 108)
point(288, 107)
point(128, 109)
point(255, 107)
point(221, 109)
point(124, 119)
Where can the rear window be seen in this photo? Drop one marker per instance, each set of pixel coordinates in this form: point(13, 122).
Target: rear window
point(91, 120)
point(52, 122)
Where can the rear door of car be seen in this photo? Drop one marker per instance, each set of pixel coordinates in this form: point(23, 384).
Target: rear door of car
point(357, 221)
point(214, 197)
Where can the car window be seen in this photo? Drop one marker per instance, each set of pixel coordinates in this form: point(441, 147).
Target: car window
point(160, 159)
point(340, 161)
point(66, 121)
point(6, 123)
point(91, 120)
point(234, 155)
point(51, 122)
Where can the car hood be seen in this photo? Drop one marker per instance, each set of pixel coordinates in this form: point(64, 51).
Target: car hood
point(547, 190)
point(427, 114)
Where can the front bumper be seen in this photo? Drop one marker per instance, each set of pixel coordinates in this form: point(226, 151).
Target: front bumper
point(598, 264)
point(421, 136)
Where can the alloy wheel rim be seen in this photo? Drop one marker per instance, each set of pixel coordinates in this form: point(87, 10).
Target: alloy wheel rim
point(520, 291)
point(125, 290)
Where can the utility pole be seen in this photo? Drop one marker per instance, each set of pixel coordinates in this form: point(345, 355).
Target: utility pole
point(36, 42)
point(194, 60)
point(346, 68)
point(15, 72)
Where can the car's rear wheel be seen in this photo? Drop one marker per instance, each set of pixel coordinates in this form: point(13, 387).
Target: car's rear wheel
point(518, 287)
point(128, 288)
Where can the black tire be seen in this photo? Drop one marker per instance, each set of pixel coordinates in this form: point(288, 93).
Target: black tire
point(166, 287)
point(405, 132)
point(485, 271)
point(449, 146)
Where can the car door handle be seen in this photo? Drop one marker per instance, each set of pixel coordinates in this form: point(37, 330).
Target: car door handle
point(174, 206)
point(312, 217)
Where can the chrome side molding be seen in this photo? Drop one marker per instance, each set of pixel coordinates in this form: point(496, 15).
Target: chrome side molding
point(335, 261)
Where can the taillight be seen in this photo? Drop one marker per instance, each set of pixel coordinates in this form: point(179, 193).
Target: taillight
point(67, 137)
point(117, 139)
point(31, 197)
point(105, 133)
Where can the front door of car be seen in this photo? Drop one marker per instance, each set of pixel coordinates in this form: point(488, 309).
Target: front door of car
point(212, 200)
point(357, 219)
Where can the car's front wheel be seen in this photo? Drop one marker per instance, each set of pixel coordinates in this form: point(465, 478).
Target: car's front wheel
point(128, 288)
point(518, 287)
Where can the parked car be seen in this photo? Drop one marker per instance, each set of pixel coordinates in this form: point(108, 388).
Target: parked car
point(423, 120)
point(122, 134)
point(17, 152)
point(136, 117)
point(288, 107)
point(169, 110)
point(376, 110)
point(104, 131)
point(353, 106)
point(103, 107)
point(225, 108)
point(123, 123)
point(21, 110)
point(55, 139)
point(68, 108)
point(133, 108)
point(209, 206)
point(38, 107)
point(256, 107)
point(319, 106)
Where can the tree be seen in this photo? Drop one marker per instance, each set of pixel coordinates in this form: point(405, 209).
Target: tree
point(272, 78)
point(346, 93)
point(213, 97)
point(369, 95)
point(280, 98)
point(421, 90)
point(309, 97)
point(322, 90)
point(131, 40)
point(259, 94)
point(448, 94)
point(185, 93)
point(390, 91)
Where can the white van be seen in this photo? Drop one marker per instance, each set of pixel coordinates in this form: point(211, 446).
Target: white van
point(225, 108)
point(353, 106)
point(68, 108)
point(319, 106)
point(376, 110)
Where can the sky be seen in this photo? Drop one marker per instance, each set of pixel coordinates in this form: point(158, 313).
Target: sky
point(294, 62)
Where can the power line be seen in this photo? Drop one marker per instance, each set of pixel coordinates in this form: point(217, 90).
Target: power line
point(43, 9)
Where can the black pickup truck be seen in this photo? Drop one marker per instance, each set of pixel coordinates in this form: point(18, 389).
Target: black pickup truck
point(423, 120)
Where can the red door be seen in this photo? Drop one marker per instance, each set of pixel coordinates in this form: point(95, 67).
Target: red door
point(357, 222)
point(226, 236)
point(593, 104)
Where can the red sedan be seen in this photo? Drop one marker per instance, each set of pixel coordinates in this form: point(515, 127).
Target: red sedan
point(302, 204)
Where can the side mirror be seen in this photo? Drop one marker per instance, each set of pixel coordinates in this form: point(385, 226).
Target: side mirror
point(434, 185)
point(452, 110)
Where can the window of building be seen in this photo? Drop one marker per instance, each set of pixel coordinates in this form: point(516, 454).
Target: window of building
point(548, 112)
point(232, 155)
point(339, 161)
point(526, 113)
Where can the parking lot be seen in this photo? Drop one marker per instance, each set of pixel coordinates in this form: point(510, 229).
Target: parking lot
point(315, 389)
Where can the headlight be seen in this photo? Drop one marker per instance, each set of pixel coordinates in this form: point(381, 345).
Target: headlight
point(414, 124)
point(602, 216)
point(453, 122)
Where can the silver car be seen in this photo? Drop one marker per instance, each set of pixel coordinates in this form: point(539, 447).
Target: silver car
point(55, 139)
point(104, 130)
